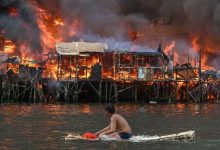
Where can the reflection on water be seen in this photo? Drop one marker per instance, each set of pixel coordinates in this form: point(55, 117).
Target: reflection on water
point(44, 126)
point(86, 109)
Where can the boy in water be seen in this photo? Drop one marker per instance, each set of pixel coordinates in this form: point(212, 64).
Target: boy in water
point(118, 127)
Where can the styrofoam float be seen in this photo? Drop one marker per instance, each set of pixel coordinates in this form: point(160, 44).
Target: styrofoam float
point(182, 136)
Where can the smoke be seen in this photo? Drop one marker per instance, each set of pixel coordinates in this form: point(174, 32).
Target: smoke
point(20, 29)
point(110, 20)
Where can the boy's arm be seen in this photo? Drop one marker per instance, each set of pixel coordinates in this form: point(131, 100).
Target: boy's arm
point(112, 128)
point(103, 130)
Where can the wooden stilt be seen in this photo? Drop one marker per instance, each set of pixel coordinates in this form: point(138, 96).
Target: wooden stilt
point(136, 90)
point(106, 92)
point(116, 92)
point(100, 91)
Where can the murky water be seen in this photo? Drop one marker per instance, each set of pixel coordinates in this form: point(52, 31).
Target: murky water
point(44, 126)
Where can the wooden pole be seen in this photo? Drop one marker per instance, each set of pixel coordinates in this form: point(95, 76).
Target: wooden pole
point(187, 89)
point(106, 91)
point(34, 97)
point(100, 91)
point(86, 68)
point(136, 90)
point(200, 75)
point(9, 92)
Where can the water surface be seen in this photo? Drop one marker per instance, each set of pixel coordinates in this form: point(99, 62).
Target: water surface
point(44, 126)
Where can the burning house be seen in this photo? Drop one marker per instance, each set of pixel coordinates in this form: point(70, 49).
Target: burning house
point(91, 70)
point(79, 60)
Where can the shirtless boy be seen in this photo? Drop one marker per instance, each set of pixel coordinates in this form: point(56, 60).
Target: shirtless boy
point(118, 127)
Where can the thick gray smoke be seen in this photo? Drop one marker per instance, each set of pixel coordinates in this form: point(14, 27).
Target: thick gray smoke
point(111, 19)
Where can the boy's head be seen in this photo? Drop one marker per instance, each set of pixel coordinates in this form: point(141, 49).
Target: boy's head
point(110, 108)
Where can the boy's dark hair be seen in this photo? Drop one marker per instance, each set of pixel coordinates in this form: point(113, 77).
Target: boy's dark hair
point(110, 108)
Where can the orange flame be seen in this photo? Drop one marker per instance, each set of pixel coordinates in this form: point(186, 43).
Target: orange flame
point(169, 48)
point(205, 48)
point(9, 47)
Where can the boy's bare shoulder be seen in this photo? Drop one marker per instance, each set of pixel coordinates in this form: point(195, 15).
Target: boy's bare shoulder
point(115, 116)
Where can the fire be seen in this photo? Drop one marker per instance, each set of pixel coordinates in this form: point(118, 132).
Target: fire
point(58, 22)
point(13, 12)
point(13, 67)
point(50, 70)
point(107, 75)
point(195, 44)
point(169, 48)
point(54, 28)
point(9, 47)
point(50, 26)
point(25, 51)
point(206, 47)
point(49, 30)
point(134, 35)
point(74, 27)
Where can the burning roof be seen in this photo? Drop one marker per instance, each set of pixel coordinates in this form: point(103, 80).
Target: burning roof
point(75, 48)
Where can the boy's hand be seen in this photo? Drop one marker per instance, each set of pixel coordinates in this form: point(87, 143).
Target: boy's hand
point(97, 134)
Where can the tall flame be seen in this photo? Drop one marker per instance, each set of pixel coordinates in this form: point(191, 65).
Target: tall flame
point(204, 49)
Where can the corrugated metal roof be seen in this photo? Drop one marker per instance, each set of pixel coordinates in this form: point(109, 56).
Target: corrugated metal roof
point(74, 48)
